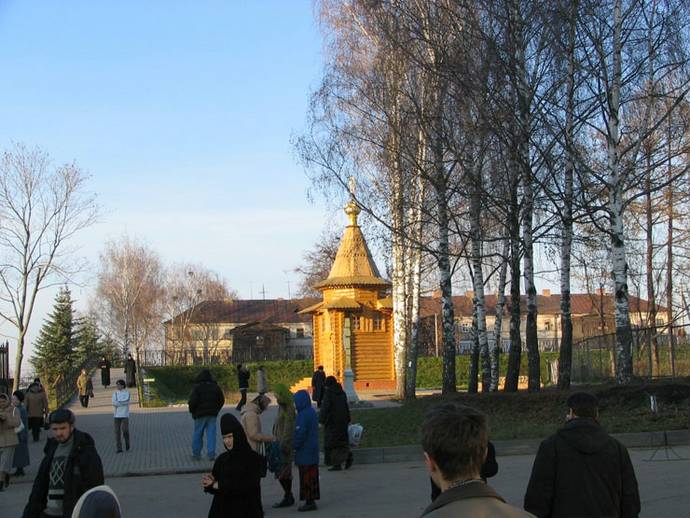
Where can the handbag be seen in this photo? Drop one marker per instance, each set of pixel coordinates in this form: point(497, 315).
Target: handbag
point(275, 457)
point(20, 427)
point(354, 434)
point(263, 461)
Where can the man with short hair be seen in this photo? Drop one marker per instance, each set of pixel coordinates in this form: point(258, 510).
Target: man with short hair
point(205, 403)
point(581, 470)
point(454, 440)
point(71, 466)
point(120, 400)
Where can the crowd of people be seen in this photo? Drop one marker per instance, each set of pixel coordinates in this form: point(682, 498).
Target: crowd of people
point(578, 471)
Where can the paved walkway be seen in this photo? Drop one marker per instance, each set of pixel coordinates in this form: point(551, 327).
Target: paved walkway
point(160, 437)
point(398, 490)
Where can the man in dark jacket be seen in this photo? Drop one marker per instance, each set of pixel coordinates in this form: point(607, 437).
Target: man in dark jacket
point(71, 467)
point(581, 470)
point(205, 403)
point(243, 383)
point(335, 417)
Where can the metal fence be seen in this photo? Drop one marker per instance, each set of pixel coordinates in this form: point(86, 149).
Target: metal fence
point(5, 386)
point(61, 392)
point(176, 357)
point(658, 352)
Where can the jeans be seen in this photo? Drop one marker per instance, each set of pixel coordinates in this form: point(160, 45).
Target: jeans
point(121, 429)
point(207, 423)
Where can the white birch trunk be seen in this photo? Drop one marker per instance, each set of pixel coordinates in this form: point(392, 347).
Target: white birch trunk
point(619, 262)
point(498, 321)
point(565, 358)
point(478, 280)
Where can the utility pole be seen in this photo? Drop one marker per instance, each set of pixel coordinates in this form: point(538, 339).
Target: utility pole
point(263, 292)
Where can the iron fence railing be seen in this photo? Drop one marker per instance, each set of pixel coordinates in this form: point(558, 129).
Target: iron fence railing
point(62, 391)
point(658, 352)
point(165, 357)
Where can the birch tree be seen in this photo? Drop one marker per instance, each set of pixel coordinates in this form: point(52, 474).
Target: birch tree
point(42, 208)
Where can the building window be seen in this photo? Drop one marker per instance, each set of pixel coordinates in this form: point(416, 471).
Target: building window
point(299, 332)
point(547, 325)
point(356, 323)
point(660, 322)
point(378, 324)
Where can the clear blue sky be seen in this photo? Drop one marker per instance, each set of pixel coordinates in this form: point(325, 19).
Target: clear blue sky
point(182, 112)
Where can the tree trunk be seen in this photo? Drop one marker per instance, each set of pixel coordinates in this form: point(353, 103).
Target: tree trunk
point(415, 285)
point(472, 385)
point(565, 357)
point(400, 316)
point(478, 279)
point(498, 322)
point(513, 369)
point(669, 260)
point(652, 342)
point(624, 366)
point(18, 359)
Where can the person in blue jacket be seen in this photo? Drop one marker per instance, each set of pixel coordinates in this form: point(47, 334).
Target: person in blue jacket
point(306, 445)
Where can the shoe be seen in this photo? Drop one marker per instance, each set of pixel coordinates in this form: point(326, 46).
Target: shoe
point(118, 451)
point(308, 506)
point(337, 467)
point(349, 461)
point(287, 501)
point(19, 472)
point(196, 457)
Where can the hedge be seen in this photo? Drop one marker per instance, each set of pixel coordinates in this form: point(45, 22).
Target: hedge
point(429, 369)
point(174, 384)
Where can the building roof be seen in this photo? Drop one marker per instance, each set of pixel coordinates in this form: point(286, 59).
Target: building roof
point(295, 311)
point(581, 304)
point(273, 311)
point(354, 264)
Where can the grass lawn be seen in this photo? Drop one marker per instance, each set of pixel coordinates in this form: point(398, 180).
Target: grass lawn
point(524, 415)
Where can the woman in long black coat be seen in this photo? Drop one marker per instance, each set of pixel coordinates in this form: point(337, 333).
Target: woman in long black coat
point(335, 416)
point(235, 481)
point(104, 365)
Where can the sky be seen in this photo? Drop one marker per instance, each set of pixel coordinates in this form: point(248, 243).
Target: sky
point(182, 113)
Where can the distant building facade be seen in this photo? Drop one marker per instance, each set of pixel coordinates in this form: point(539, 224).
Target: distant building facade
point(219, 328)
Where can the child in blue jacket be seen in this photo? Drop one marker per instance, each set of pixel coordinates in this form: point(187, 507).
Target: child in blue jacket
point(306, 445)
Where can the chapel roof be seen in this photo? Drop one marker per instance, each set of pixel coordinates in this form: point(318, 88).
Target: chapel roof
point(354, 264)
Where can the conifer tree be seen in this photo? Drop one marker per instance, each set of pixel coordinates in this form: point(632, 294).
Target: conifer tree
point(86, 339)
point(54, 351)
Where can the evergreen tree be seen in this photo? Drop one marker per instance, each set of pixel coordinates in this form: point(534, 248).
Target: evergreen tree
point(87, 339)
point(54, 351)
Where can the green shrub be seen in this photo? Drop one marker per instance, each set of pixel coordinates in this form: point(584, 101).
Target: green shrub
point(430, 369)
point(174, 384)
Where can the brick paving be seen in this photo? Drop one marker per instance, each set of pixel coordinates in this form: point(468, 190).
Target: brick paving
point(161, 437)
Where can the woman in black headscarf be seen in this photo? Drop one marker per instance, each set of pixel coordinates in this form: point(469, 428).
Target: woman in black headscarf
point(335, 417)
point(235, 481)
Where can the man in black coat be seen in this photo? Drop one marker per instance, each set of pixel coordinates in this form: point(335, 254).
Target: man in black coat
point(243, 384)
point(581, 470)
point(205, 403)
point(335, 417)
point(71, 467)
point(318, 382)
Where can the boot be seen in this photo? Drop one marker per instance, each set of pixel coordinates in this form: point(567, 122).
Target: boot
point(335, 467)
point(309, 505)
point(288, 499)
